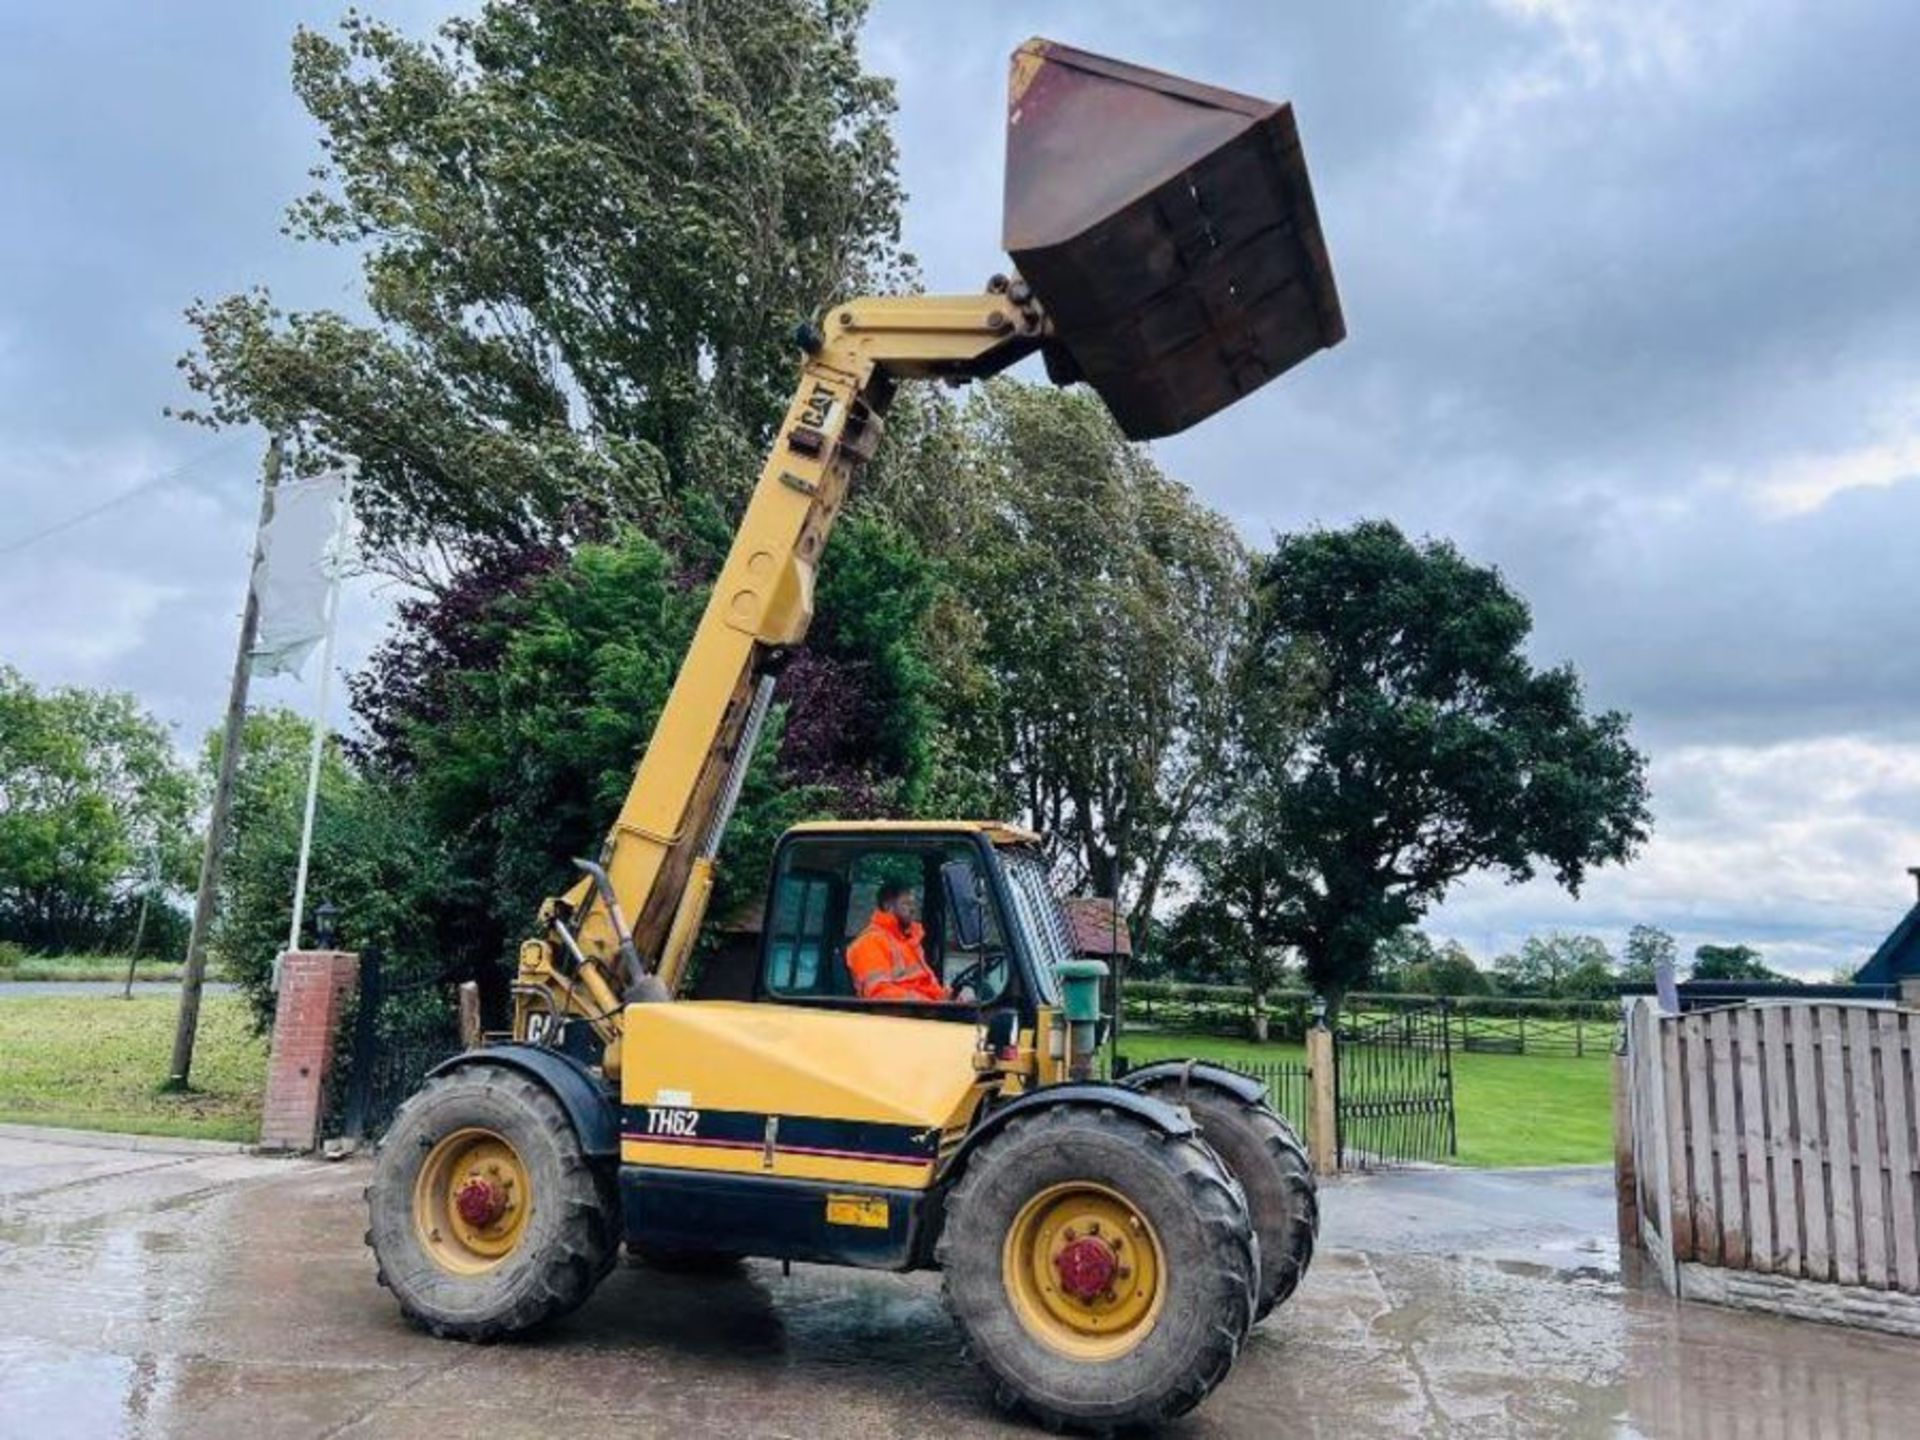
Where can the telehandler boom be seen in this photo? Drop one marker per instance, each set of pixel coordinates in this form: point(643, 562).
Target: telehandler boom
point(1103, 1259)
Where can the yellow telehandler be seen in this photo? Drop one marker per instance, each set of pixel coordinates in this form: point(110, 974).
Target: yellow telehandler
point(1105, 1246)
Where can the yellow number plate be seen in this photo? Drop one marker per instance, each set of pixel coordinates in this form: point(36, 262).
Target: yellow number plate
point(867, 1211)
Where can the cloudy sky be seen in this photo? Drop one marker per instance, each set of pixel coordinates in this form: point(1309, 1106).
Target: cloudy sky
point(1633, 311)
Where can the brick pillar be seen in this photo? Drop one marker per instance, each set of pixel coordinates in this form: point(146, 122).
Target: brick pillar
point(314, 986)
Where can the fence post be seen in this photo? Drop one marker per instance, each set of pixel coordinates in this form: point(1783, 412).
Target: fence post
point(1626, 1191)
point(470, 1032)
point(1323, 1121)
point(1446, 1058)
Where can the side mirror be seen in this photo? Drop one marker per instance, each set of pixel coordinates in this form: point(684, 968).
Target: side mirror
point(963, 901)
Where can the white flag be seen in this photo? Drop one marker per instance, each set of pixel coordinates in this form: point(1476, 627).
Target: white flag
point(301, 548)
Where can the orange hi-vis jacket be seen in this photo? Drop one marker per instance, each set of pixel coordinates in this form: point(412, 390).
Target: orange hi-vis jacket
point(888, 963)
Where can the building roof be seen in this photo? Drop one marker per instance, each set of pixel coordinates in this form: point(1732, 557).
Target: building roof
point(1098, 928)
point(1898, 955)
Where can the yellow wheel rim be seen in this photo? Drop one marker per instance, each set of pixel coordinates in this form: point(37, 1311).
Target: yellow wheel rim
point(1084, 1271)
point(472, 1201)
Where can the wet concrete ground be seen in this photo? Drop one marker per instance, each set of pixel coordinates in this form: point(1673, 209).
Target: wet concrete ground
point(211, 1295)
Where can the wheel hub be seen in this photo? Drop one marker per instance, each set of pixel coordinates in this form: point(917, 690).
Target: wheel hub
point(480, 1203)
point(1086, 1267)
point(471, 1201)
point(1084, 1270)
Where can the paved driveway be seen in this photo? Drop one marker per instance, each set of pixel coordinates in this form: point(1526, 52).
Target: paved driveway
point(212, 1294)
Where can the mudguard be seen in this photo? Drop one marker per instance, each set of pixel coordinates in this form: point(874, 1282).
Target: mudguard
point(1197, 1072)
point(594, 1111)
point(1157, 1113)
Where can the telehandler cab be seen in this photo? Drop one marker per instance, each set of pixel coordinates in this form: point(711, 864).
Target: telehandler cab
point(1105, 1246)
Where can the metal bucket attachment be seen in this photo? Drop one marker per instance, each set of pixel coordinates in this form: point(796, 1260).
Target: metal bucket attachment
point(1169, 230)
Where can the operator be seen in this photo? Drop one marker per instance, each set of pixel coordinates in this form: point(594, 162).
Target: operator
point(887, 961)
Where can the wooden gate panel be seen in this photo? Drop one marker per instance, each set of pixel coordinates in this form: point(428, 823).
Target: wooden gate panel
point(1896, 1089)
point(1812, 1198)
point(1839, 1147)
point(1753, 1142)
point(1789, 1138)
point(1782, 1168)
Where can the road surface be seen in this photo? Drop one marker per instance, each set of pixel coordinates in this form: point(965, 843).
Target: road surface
point(211, 1294)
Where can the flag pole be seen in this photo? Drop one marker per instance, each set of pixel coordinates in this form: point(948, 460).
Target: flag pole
point(337, 562)
point(196, 966)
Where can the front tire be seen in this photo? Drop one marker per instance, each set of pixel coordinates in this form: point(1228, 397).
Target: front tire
point(487, 1219)
point(1267, 1158)
point(1100, 1269)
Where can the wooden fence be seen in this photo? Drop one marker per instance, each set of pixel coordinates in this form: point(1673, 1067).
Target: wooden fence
point(1481, 1025)
point(1775, 1138)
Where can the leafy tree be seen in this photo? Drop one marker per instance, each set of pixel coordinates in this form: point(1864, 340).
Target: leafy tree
point(518, 734)
point(1559, 967)
point(588, 229)
point(864, 715)
point(1434, 750)
point(1450, 972)
point(1648, 947)
point(95, 809)
point(1398, 954)
point(1219, 938)
point(1111, 605)
point(535, 750)
point(1408, 961)
point(373, 859)
point(1732, 962)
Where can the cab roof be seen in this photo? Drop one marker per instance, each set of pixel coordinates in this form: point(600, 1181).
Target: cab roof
point(998, 832)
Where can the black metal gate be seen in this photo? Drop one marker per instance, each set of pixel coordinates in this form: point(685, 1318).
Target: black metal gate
point(400, 1032)
point(1393, 1087)
point(1289, 1089)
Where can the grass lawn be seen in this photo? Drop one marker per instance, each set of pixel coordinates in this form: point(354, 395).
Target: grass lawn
point(15, 965)
point(1508, 1109)
point(96, 1062)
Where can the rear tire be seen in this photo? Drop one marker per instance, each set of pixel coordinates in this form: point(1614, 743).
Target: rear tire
point(1267, 1158)
point(1179, 1280)
point(540, 1232)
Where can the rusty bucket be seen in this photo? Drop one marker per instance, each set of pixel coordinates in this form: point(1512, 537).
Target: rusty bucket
point(1169, 230)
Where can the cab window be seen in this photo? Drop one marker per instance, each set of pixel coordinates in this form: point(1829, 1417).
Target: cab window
point(825, 893)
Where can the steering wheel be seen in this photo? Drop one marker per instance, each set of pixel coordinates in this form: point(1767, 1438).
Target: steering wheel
point(973, 979)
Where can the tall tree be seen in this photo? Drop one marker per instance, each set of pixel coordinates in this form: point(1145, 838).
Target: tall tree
point(588, 229)
point(1396, 955)
point(1111, 606)
point(1433, 748)
point(1732, 962)
point(1559, 967)
point(1227, 932)
point(374, 859)
point(1648, 946)
point(513, 709)
point(1450, 972)
point(95, 808)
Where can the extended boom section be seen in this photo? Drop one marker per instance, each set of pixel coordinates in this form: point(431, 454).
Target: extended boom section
point(761, 606)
